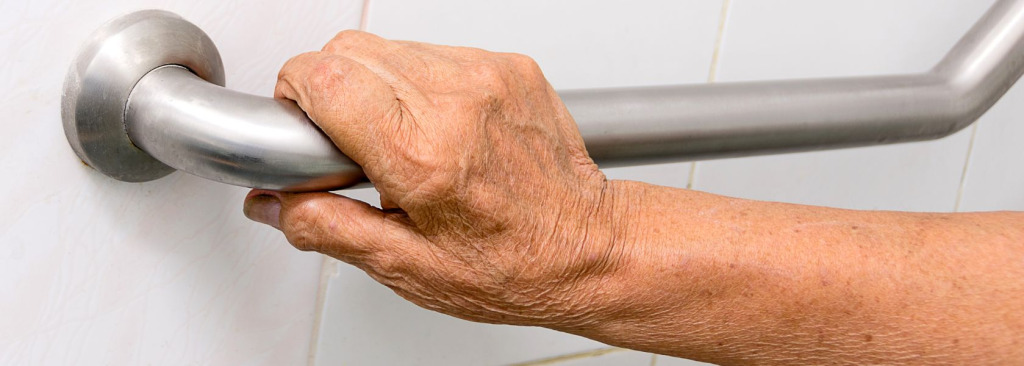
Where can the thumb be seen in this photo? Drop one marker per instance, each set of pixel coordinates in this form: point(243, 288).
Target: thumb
point(338, 226)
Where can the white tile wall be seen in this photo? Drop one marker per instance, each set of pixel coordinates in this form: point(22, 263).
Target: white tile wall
point(995, 176)
point(98, 272)
point(94, 271)
point(365, 323)
point(616, 357)
point(772, 39)
point(579, 44)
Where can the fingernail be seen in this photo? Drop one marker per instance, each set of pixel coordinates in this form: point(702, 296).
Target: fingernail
point(264, 209)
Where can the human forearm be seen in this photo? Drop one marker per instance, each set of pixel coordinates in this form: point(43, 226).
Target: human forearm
point(734, 281)
point(494, 212)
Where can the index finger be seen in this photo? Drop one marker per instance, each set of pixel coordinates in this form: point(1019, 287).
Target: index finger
point(343, 97)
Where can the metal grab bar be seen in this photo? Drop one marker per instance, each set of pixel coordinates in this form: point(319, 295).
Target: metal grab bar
point(133, 124)
point(231, 137)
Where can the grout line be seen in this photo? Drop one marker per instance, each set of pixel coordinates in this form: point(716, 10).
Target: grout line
point(967, 165)
point(693, 175)
point(571, 356)
point(712, 72)
point(364, 19)
point(654, 359)
point(722, 20)
point(328, 269)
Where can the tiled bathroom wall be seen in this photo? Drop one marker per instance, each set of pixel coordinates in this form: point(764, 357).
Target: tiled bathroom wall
point(94, 271)
point(99, 272)
point(773, 39)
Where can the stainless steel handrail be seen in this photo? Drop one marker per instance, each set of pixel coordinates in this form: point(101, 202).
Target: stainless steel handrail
point(231, 137)
point(640, 125)
point(192, 125)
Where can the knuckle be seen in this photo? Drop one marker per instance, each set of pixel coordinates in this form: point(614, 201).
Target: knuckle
point(523, 64)
point(488, 71)
point(301, 226)
point(347, 39)
point(526, 68)
point(324, 75)
point(492, 84)
point(295, 64)
point(302, 240)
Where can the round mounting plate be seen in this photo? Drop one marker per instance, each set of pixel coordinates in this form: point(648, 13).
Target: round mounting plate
point(101, 79)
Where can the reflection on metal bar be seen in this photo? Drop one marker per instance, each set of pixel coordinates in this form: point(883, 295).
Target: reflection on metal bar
point(642, 125)
point(189, 124)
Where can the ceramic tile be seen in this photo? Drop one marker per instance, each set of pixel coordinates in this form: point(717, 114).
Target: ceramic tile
point(99, 272)
point(614, 358)
point(995, 176)
point(771, 39)
point(365, 323)
point(579, 44)
point(799, 39)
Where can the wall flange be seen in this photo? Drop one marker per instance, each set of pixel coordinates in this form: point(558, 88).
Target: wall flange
point(106, 69)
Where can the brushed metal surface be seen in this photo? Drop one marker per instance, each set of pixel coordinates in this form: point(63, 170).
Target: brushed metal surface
point(230, 137)
point(107, 67)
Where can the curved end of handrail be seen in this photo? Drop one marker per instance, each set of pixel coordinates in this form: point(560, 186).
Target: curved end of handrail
point(985, 63)
point(231, 137)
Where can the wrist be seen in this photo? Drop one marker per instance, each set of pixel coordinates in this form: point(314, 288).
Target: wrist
point(658, 283)
point(615, 258)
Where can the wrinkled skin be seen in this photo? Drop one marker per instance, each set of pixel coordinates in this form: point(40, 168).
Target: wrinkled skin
point(493, 211)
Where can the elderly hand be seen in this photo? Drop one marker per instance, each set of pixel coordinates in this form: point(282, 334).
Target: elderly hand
point(492, 210)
